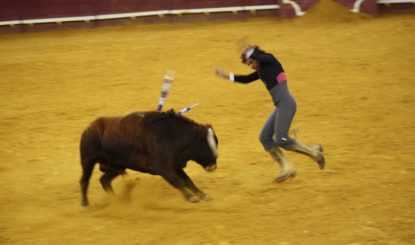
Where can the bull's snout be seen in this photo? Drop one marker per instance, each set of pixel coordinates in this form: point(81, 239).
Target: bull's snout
point(211, 168)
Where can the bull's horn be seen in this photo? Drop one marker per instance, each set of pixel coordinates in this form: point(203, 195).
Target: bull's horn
point(212, 142)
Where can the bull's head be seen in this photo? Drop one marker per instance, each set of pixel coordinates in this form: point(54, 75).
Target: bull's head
point(207, 151)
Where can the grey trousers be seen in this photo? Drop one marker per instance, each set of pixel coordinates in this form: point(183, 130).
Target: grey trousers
point(274, 133)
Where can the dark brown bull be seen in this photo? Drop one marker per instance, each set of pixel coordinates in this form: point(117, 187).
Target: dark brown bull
point(158, 143)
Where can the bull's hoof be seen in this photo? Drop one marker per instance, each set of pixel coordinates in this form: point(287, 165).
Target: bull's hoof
point(206, 197)
point(284, 176)
point(84, 203)
point(193, 199)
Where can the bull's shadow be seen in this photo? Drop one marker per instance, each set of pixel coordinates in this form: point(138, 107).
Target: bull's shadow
point(158, 143)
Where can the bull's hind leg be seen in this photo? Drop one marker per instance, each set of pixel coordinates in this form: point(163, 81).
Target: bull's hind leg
point(191, 186)
point(175, 180)
point(108, 176)
point(87, 168)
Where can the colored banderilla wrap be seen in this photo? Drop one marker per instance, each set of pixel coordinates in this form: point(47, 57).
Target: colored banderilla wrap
point(167, 82)
point(168, 79)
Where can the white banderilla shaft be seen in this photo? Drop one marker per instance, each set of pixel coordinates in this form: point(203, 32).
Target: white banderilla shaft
point(168, 79)
point(186, 109)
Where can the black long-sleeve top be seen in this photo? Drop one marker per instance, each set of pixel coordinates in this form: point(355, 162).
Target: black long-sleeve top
point(270, 72)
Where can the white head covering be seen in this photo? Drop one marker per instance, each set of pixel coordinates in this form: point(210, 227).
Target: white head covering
point(248, 52)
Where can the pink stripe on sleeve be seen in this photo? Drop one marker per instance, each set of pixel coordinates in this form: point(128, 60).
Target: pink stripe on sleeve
point(281, 77)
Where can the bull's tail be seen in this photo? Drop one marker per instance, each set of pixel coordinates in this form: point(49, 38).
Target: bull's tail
point(89, 149)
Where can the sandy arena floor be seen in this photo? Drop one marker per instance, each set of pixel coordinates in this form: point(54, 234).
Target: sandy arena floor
point(354, 80)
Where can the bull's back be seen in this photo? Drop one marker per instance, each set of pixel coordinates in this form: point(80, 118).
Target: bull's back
point(167, 130)
point(121, 135)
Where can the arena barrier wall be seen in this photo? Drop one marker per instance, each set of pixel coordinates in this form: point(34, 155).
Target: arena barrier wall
point(30, 15)
point(376, 7)
point(34, 12)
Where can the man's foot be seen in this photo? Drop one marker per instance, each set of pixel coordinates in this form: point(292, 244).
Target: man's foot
point(321, 161)
point(319, 157)
point(284, 175)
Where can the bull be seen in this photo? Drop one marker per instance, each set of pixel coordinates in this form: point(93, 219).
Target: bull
point(157, 143)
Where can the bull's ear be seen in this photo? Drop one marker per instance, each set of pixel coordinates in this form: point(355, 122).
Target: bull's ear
point(171, 112)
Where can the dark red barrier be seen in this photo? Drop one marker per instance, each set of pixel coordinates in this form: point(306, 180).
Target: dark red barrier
point(39, 9)
point(374, 7)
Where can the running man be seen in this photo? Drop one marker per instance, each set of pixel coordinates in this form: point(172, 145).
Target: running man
point(274, 134)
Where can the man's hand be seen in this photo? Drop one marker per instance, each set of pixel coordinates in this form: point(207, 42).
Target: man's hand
point(221, 73)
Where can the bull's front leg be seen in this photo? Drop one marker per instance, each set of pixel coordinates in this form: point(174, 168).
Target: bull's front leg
point(175, 180)
point(190, 185)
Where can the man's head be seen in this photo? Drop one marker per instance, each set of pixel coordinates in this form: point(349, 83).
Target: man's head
point(249, 55)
